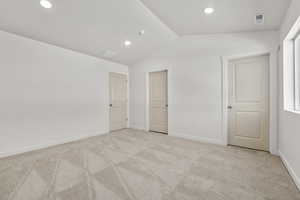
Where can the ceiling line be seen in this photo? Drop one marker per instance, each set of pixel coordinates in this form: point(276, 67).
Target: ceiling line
point(149, 11)
point(62, 47)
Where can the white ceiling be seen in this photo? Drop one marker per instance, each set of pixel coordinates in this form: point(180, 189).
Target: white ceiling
point(186, 17)
point(98, 27)
point(88, 26)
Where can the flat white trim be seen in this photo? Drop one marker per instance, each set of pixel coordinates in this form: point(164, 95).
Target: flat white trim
point(291, 171)
point(272, 97)
point(147, 127)
point(49, 144)
point(294, 112)
point(296, 43)
point(225, 61)
point(128, 101)
point(137, 127)
point(197, 138)
point(290, 70)
point(188, 137)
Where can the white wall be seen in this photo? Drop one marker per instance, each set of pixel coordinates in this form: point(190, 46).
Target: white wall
point(50, 95)
point(195, 82)
point(289, 123)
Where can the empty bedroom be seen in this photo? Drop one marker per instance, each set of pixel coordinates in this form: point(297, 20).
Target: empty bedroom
point(150, 100)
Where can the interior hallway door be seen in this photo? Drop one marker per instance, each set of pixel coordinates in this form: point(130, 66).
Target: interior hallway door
point(118, 101)
point(158, 82)
point(248, 81)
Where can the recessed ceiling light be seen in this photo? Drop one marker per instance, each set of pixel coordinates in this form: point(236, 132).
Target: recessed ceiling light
point(46, 4)
point(142, 32)
point(209, 10)
point(127, 43)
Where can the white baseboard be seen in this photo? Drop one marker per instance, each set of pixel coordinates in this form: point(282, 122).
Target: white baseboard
point(48, 144)
point(290, 169)
point(137, 127)
point(185, 136)
point(197, 138)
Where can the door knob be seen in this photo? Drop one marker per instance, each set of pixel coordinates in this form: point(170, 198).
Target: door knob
point(110, 105)
point(229, 107)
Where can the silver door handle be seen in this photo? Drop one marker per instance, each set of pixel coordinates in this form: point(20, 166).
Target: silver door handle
point(229, 107)
point(110, 105)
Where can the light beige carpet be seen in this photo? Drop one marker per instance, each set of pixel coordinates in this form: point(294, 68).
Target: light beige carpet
point(135, 165)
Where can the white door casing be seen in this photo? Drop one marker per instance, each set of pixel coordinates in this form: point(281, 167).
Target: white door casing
point(248, 102)
point(158, 101)
point(118, 101)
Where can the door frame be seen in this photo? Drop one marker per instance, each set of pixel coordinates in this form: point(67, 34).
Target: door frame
point(109, 99)
point(271, 122)
point(148, 97)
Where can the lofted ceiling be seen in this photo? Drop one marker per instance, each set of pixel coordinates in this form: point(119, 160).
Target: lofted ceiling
point(187, 17)
point(94, 27)
point(100, 27)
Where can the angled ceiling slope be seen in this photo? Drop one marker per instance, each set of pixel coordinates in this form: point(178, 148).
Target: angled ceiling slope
point(188, 18)
point(95, 27)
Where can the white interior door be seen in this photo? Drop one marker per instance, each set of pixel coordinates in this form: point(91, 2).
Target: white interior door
point(158, 101)
point(118, 101)
point(248, 81)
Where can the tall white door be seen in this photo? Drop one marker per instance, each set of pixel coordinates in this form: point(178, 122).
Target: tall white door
point(118, 101)
point(158, 101)
point(248, 81)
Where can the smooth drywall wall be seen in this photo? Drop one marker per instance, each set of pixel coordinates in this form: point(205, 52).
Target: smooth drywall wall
point(50, 95)
point(195, 82)
point(289, 122)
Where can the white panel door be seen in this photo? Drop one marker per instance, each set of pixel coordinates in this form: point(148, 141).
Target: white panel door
point(248, 102)
point(159, 101)
point(118, 101)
